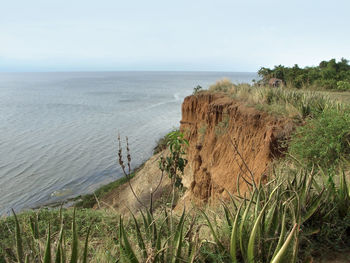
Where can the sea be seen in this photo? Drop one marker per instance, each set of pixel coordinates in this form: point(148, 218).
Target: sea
point(58, 131)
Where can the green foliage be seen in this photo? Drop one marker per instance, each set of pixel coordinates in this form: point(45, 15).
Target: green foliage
point(324, 140)
point(175, 163)
point(157, 240)
point(266, 226)
point(343, 85)
point(197, 89)
point(162, 143)
point(327, 75)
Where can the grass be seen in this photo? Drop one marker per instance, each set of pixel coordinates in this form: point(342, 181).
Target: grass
point(293, 103)
point(89, 200)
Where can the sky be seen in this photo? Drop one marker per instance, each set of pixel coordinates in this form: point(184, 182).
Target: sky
point(181, 35)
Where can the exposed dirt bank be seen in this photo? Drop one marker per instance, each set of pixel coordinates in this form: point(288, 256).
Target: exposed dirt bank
point(225, 139)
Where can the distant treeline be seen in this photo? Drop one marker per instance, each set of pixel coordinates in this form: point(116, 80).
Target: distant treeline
point(327, 75)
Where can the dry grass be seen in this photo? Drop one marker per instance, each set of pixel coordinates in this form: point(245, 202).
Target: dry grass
point(289, 102)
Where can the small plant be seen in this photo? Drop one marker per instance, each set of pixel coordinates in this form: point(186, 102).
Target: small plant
point(222, 126)
point(174, 164)
point(202, 130)
point(197, 89)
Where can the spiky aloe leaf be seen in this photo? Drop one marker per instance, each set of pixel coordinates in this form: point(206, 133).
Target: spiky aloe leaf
point(242, 224)
point(140, 239)
point(85, 254)
point(146, 225)
point(279, 256)
point(282, 234)
point(313, 208)
point(125, 247)
point(167, 222)
point(303, 187)
point(153, 228)
point(217, 241)
point(270, 217)
point(20, 255)
point(343, 195)
point(232, 200)
point(308, 187)
point(257, 203)
point(27, 259)
point(75, 244)
point(47, 255)
point(159, 250)
point(253, 235)
point(59, 252)
point(34, 227)
point(233, 241)
point(178, 239)
point(228, 215)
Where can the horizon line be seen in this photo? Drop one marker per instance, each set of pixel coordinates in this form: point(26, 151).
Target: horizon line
point(110, 71)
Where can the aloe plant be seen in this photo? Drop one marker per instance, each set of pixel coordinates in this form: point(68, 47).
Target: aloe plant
point(59, 250)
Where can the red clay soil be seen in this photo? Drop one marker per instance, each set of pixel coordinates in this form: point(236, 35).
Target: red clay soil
point(215, 125)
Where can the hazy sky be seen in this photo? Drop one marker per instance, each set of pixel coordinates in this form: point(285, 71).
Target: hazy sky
point(215, 35)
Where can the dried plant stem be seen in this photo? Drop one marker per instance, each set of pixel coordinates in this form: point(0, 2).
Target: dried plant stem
point(127, 175)
point(234, 144)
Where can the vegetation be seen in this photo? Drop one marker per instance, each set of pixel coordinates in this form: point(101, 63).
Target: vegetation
point(324, 140)
point(162, 143)
point(281, 221)
point(30, 233)
point(327, 75)
point(302, 212)
point(89, 200)
point(197, 89)
point(298, 104)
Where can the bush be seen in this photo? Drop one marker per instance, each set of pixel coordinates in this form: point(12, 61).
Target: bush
point(197, 89)
point(324, 140)
point(343, 85)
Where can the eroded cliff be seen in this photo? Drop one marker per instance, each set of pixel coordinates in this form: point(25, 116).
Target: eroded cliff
point(228, 143)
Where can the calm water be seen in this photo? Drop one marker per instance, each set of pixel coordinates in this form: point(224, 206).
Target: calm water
point(59, 130)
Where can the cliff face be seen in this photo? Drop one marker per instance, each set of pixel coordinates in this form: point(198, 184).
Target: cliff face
point(227, 143)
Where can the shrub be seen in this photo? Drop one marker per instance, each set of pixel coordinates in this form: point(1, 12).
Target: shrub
point(324, 140)
point(343, 85)
point(197, 89)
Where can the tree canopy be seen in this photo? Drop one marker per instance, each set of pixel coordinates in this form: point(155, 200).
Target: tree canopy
point(327, 75)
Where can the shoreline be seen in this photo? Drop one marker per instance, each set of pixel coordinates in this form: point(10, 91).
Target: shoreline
point(88, 200)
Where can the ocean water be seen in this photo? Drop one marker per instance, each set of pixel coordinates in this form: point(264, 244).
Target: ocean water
point(58, 131)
